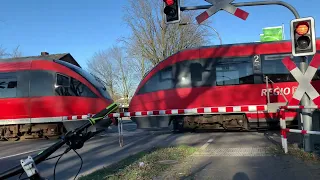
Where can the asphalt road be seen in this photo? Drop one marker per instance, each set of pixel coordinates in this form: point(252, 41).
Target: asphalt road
point(225, 154)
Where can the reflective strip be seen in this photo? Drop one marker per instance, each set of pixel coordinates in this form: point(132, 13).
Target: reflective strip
point(252, 108)
point(190, 111)
point(222, 109)
point(207, 110)
point(174, 111)
point(161, 112)
point(237, 108)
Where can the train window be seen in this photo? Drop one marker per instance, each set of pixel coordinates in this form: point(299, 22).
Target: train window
point(8, 87)
point(42, 83)
point(273, 67)
point(92, 79)
point(166, 74)
point(234, 71)
point(79, 89)
point(196, 72)
point(63, 80)
point(162, 80)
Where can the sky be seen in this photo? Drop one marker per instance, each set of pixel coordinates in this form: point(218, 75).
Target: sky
point(82, 27)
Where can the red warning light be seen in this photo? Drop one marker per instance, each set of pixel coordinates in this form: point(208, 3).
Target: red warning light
point(169, 2)
point(302, 28)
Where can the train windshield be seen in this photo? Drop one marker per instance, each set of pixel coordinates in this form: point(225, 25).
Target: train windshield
point(93, 80)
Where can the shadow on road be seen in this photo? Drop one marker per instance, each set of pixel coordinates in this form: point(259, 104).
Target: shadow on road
point(240, 176)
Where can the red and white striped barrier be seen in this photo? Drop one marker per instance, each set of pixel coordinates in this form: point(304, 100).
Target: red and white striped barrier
point(191, 111)
point(300, 107)
point(201, 110)
point(302, 131)
point(77, 117)
point(285, 130)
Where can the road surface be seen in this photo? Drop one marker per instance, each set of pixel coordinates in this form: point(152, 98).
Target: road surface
point(246, 152)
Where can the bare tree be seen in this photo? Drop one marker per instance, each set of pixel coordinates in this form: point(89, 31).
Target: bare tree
point(112, 67)
point(124, 70)
point(101, 66)
point(16, 52)
point(3, 52)
point(152, 39)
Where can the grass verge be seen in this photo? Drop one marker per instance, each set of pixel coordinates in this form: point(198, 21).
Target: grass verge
point(296, 152)
point(129, 168)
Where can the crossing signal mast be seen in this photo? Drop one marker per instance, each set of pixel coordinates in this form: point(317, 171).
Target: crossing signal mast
point(303, 36)
point(171, 11)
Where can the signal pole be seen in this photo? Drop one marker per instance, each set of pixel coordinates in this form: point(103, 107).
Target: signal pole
point(303, 44)
point(306, 114)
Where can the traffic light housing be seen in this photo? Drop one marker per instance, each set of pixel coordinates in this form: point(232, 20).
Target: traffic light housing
point(303, 36)
point(171, 11)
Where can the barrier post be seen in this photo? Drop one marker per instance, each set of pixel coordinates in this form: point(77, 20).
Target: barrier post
point(283, 126)
point(120, 129)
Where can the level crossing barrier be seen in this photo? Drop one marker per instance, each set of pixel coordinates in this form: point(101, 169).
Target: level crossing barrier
point(285, 130)
point(190, 111)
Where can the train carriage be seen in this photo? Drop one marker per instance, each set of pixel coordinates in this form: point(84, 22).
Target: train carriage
point(219, 76)
point(38, 93)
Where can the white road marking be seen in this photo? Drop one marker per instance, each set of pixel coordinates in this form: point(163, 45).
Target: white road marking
point(206, 144)
point(13, 155)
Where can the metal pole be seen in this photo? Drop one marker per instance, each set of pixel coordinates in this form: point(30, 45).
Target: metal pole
point(267, 84)
point(258, 3)
point(283, 33)
point(306, 113)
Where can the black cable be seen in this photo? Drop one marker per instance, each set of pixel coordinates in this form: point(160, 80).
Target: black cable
point(21, 174)
point(24, 178)
point(54, 170)
point(80, 165)
point(54, 157)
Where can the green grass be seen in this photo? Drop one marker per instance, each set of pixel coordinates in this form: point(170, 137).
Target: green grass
point(129, 168)
point(299, 153)
point(296, 152)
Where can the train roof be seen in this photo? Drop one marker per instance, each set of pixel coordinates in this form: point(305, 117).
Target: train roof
point(67, 57)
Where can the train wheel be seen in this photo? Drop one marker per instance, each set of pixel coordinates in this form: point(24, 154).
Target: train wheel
point(246, 126)
point(178, 125)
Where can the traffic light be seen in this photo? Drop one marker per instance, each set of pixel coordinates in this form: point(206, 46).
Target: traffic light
point(303, 36)
point(171, 11)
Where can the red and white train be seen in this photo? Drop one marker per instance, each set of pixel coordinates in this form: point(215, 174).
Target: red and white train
point(227, 78)
point(38, 94)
